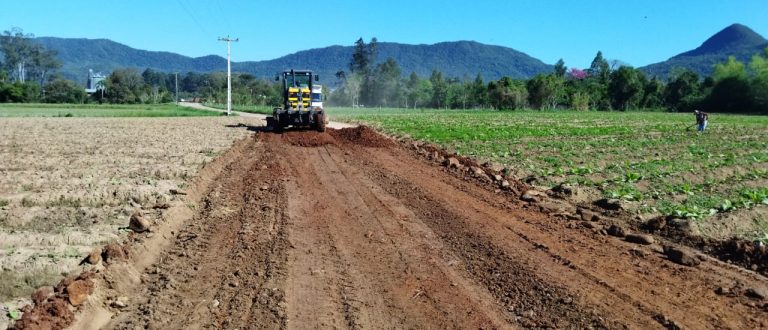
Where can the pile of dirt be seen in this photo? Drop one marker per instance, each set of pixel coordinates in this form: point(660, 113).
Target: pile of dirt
point(752, 255)
point(51, 309)
point(747, 254)
point(308, 138)
point(363, 136)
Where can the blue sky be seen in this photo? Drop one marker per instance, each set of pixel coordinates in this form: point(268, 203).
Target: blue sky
point(636, 32)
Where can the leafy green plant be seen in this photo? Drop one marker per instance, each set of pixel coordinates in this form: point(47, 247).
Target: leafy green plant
point(632, 177)
point(626, 192)
point(727, 206)
point(13, 314)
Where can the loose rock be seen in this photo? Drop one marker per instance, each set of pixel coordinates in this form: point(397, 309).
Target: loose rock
point(680, 256)
point(617, 231)
point(639, 239)
point(758, 293)
point(113, 253)
point(609, 204)
point(94, 258)
point(451, 162)
point(723, 291)
point(138, 223)
point(120, 303)
point(162, 206)
point(78, 292)
point(588, 215)
point(564, 189)
point(477, 171)
point(657, 223)
point(529, 198)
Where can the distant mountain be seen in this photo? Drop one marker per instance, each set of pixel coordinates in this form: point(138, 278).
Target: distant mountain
point(103, 55)
point(454, 59)
point(736, 40)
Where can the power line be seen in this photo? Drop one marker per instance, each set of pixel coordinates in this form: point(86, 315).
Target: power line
point(223, 14)
point(192, 16)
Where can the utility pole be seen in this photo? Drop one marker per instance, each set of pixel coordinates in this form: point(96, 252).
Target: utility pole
point(229, 41)
point(176, 75)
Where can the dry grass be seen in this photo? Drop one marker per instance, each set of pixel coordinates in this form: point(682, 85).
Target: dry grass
point(69, 184)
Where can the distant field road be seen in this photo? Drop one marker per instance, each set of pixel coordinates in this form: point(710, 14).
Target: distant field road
point(332, 124)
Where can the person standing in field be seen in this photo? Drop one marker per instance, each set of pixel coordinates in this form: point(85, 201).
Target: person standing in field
point(702, 118)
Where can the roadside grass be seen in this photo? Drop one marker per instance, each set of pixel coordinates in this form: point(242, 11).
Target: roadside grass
point(260, 109)
point(654, 160)
point(99, 110)
point(17, 284)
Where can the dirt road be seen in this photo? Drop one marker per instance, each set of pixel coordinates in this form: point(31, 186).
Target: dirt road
point(331, 124)
point(307, 230)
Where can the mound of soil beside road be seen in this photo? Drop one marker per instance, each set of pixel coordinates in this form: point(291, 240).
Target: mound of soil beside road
point(362, 232)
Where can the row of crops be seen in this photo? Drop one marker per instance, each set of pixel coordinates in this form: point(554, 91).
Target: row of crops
point(656, 160)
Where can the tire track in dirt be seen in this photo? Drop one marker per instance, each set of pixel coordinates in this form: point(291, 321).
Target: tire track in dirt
point(384, 270)
point(607, 274)
point(231, 257)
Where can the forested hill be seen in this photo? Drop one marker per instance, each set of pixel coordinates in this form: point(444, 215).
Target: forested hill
point(453, 59)
point(736, 40)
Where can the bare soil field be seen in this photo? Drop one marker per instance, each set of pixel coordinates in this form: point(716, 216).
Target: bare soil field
point(348, 229)
point(69, 185)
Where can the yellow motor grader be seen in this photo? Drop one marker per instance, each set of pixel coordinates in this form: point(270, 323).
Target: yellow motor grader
point(302, 102)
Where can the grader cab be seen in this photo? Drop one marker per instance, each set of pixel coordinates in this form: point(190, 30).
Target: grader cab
point(302, 102)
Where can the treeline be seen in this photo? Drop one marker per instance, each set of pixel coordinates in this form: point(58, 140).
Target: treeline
point(130, 86)
point(734, 87)
point(29, 75)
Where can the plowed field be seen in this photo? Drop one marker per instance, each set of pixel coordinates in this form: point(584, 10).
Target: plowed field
point(347, 229)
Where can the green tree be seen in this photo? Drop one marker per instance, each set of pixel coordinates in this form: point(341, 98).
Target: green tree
point(364, 56)
point(580, 100)
point(600, 68)
point(626, 88)
point(64, 91)
point(653, 94)
point(124, 86)
point(439, 89)
point(507, 93)
point(545, 91)
point(683, 92)
point(731, 91)
point(560, 68)
point(386, 86)
point(19, 92)
point(479, 96)
point(732, 68)
point(759, 84)
point(44, 62)
point(18, 50)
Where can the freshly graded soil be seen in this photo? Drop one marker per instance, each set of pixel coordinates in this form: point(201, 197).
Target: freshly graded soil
point(362, 233)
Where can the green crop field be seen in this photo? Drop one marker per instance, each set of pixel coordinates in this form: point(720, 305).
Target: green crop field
point(652, 161)
point(99, 110)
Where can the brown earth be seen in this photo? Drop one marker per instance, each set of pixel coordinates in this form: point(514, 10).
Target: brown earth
point(347, 229)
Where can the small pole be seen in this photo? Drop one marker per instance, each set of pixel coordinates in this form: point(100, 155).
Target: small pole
point(176, 75)
point(229, 41)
